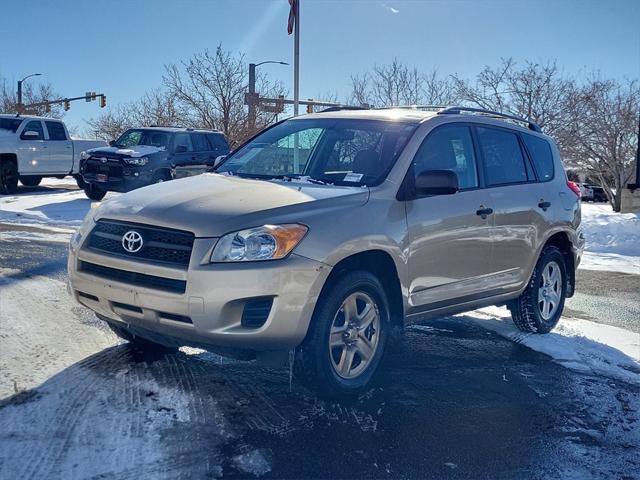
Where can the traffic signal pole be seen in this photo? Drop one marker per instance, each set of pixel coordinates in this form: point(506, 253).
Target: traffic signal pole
point(67, 101)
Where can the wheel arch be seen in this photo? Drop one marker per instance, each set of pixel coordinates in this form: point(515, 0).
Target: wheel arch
point(9, 157)
point(562, 242)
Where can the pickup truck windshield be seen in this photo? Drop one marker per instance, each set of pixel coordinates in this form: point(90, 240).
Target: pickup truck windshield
point(338, 151)
point(153, 138)
point(11, 124)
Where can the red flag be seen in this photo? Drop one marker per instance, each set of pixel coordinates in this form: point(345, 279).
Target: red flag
point(292, 16)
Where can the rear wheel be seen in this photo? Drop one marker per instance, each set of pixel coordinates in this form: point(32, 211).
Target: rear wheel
point(30, 181)
point(540, 306)
point(94, 192)
point(347, 336)
point(8, 177)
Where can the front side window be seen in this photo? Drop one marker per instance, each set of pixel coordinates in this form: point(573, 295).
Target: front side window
point(541, 155)
point(503, 159)
point(449, 148)
point(153, 138)
point(56, 131)
point(33, 126)
point(340, 151)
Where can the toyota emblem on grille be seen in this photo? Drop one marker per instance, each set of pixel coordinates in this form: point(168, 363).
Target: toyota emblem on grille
point(132, 241)
point(104, 159)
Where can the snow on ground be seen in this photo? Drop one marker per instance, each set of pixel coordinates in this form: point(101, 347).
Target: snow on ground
point(38, 317)
point(612, 239)
point(577, 344)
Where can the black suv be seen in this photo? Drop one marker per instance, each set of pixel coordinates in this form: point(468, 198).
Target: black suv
point(142, 156)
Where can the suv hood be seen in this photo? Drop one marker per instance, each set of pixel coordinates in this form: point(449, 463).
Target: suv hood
point(135, 151)
point(211, 205)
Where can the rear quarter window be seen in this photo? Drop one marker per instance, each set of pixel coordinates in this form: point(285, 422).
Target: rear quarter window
point(541, 155)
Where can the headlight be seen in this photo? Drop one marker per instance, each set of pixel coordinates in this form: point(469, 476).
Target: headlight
point(269, 242)
point(136, 161)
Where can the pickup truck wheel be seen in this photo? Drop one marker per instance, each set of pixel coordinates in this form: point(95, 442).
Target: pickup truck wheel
point(8, 177)
point(81, 183)
point(94, 192)
point(347, 336)
point(160, 176)
point(138, 342)
point(30, 181)
point(540, 306)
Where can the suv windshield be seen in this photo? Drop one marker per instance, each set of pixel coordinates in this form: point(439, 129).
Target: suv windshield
point(153, 138)
point(339, 151)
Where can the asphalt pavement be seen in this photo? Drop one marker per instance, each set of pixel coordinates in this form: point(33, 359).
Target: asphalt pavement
point(452, 401)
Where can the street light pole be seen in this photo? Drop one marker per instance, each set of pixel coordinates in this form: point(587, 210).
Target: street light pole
point(19, 106)
point(253, 104)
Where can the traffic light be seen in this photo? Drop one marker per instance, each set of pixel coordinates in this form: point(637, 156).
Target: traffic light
point(310, 106)
point(103, 101)
point(67, 105)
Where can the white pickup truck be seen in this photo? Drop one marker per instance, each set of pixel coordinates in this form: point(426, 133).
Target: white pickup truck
point(36, 147)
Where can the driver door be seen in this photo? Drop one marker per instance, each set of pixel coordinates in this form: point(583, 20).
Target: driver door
point(450, 243)
point(33, 155)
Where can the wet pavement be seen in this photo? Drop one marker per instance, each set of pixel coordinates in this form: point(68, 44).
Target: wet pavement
point(451, 401)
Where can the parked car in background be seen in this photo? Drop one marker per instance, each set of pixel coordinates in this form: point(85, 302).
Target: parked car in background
point(598, 194)
point(586, 192)
point(143, 156)
point(326, 232)
point(35, 147)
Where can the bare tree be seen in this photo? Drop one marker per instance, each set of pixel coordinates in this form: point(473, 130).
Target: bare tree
point(31, 93)
point(398, 84)
point(210, 87)
point(535, 91)
point(601, 134)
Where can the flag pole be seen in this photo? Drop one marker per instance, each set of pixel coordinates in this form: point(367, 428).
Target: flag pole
point(296, 59)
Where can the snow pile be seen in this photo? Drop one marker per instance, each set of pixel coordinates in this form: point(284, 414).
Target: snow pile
point(612, 239)
point(577, 344)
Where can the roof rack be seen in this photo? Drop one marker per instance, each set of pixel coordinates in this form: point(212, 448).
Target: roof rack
point(459, 110)
point(337, 108)
point(427, 108)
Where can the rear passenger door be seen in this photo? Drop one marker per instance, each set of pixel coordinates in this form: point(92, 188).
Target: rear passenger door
point(59, 146)
point(521, 204)
point(183, 154)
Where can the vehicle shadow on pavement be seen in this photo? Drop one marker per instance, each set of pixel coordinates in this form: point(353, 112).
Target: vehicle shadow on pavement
point(453, 400)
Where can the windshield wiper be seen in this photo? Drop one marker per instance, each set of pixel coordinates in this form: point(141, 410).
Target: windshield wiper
point(303, 178)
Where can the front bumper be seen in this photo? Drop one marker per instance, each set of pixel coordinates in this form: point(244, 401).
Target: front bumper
point(213, 302)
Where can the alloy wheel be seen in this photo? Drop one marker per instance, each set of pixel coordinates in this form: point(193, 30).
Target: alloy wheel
point(550, 290)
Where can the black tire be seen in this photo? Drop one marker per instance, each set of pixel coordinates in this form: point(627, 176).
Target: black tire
point(30, 181)
point(314, 365)
point(160, 176)
point(94, 192)
point(80, 182)
point(137, 342)
point(527, 310)
point(8, 177)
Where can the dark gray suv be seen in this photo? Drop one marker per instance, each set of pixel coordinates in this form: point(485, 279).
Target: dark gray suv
point(143, 156)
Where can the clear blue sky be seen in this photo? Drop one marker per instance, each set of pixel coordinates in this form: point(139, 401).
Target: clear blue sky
point(120, 47)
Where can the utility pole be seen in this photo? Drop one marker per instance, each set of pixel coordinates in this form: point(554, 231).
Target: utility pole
point(20, 105)
point(296, 59)
point(638, 156)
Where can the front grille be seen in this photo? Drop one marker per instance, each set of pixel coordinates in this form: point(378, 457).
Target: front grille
point(135, 278)
point(113, 167)
point(159, 244)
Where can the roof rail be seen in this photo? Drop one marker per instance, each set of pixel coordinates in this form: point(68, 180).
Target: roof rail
point(428, 108)
point(337, 108)
point(459, 110)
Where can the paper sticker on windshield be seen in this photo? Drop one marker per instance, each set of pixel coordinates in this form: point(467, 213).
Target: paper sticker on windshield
point(353, 177)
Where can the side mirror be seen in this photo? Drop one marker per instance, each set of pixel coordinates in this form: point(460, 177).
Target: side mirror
point(436, 182)
point(181, 148)
point(112, 143)
point(30, 135)
point(219, 159)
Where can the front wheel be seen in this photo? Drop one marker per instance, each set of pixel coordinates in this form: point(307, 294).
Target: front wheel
point(8, 177)
point(80, 182)
point(30, 181)
point(540, 306)
point(94, 192)
point(347, 336)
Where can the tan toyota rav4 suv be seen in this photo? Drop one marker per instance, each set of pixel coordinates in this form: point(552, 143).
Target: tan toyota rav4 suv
point(325, 233)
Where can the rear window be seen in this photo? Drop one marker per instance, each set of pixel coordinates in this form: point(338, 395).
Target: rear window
point(541, 155)
point(11, 124)
point(56, 131)
point(199, 142)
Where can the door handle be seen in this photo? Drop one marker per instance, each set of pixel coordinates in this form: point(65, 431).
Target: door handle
point(484, 211)
point(544, 205)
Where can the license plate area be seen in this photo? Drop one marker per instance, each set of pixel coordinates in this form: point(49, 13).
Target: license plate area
point(102, 177)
